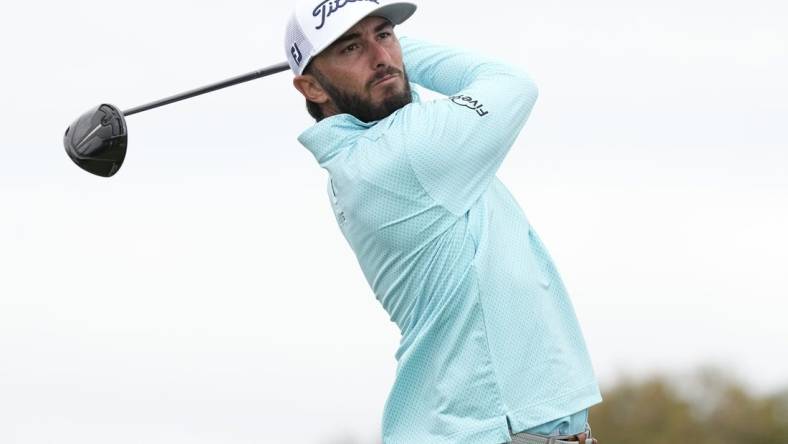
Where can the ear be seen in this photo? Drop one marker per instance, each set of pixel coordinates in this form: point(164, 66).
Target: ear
point(310, 88)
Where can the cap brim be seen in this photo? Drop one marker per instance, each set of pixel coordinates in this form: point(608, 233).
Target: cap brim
point(396, 13)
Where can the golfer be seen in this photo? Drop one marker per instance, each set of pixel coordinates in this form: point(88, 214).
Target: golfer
point(491, 350)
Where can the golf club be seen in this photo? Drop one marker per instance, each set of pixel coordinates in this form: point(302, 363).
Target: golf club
point(97, 140)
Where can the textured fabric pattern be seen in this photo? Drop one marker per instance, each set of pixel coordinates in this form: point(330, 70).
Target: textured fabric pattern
point(489, 335)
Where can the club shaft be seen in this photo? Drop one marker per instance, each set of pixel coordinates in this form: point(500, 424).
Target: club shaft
point(273, 69)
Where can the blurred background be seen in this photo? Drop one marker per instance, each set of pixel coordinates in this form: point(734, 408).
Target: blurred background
point(205, 295)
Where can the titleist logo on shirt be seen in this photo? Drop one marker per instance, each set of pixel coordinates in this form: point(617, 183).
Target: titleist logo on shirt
point(328, 7)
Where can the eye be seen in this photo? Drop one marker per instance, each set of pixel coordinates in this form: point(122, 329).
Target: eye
point(350, 48)
point(384, 35)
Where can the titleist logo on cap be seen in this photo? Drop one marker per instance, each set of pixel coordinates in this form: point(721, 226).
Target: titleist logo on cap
point(328, 7)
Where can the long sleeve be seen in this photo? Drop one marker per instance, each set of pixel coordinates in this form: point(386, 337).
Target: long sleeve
point(456, 145)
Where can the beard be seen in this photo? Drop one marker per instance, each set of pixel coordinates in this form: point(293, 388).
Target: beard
point(361, 108)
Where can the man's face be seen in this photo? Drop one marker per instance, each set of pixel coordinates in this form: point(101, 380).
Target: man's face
point(362, 73)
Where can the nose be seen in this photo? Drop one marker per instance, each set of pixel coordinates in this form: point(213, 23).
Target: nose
point(380, 57)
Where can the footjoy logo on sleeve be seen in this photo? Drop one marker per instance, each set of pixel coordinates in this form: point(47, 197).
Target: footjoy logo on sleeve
point(470, 103)
point(327, 7)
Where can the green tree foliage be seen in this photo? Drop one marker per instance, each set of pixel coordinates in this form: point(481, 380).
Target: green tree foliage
point(708, 407)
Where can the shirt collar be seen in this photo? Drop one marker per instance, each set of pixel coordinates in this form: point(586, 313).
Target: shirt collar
point(328, 137)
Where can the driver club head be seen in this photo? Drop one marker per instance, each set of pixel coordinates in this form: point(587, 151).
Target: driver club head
point(97, 140)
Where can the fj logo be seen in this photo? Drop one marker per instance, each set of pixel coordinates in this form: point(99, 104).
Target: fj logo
point(327, 7)
point(296, 53)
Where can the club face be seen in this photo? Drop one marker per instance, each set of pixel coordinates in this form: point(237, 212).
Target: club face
point(97, 140)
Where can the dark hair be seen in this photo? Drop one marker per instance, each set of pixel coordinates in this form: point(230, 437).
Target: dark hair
point(313, 108)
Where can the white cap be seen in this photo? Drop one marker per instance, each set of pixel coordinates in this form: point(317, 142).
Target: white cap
point(316, 24)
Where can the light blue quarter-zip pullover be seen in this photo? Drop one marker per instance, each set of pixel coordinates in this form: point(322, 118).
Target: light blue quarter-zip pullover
point(489, 336)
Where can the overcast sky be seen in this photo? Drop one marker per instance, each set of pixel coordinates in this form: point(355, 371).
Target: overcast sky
point(205, 294)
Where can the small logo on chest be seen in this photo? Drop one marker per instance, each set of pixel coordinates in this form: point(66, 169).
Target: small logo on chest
point(338, 212)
